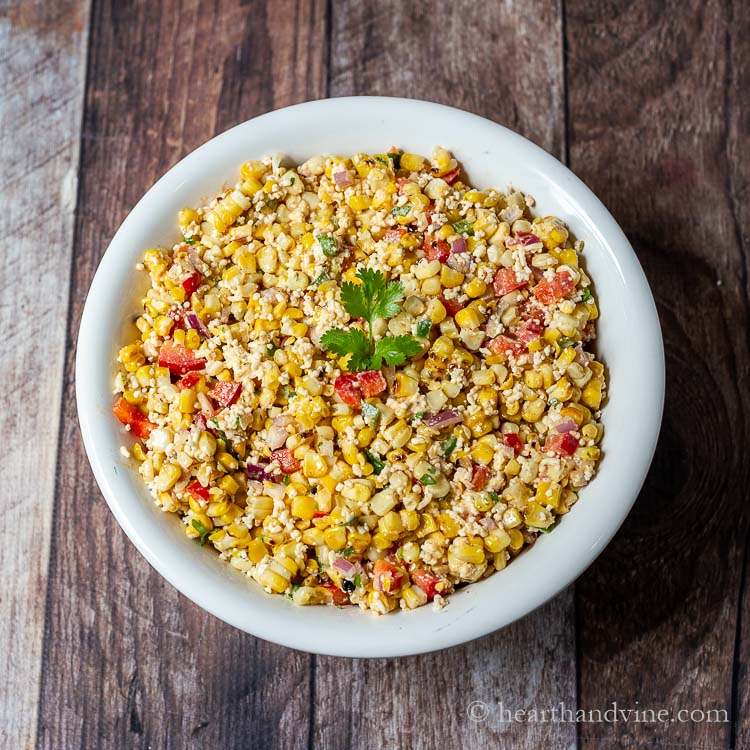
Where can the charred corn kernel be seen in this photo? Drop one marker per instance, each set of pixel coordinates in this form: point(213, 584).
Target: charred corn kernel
point(592, 394)
point(532, 411)
point(468, 551)
point(229, 484)
point(483, 503)
point(314, 465)
point(482, 453)
point(411, 162)
point(588, 431)
point(406, 386)
point(448, 525)
point(413, 597)
point(548, 493)
point(589, 453)
point(469, 318)
point(512, 518)
point(398, 433)
point(450, 278)
point(227, 461)
point(168, 476)
point(426, 525)
point(335, 538)
point(304, 507)
point(475, 288)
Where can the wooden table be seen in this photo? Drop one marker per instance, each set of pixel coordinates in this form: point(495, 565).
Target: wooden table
point(644, 100)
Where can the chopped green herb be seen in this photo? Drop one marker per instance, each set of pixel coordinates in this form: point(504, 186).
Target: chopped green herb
point(374, 298)
point(419, 415)
point(549, 529)
point(401, 210)
point(286, 479)
point(400, 553)
point(449, 445)
point(351, 522)
point(370, 413)
point(272, 203)
point(358, 580)
point(190, 241)
point(294, 179)
point(494, 497)
point(295, 586)
point(321, 278)
point(553, 402)
point(375, 461)
point(271, 349)
point(427, 480)
point(348, 551)
point(237, 423)
point(291, 394)
point(201, 529)
point(423, 328)
point(328, 245)
point(395, 157)
point(381, 159)
point(464, 227)
point(565, 342)
point(586, 294)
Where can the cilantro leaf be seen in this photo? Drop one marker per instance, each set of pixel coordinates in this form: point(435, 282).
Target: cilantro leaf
point(401, 210)
point(449, 445)
point(201, 529)
point(494, 497)
point(343, 342)
point(586, 294)
point(321, 279)
point(328, 245)
point(380, 297)
point(549, 529)
point(375, 461)
point(423, 328)
point(426, 480)
point(370, 413)
point(565, 342)
point(393, 350)
point(190, 241)
point(395, 157)
point(351, 522)
point(464, 227)
point(354, 301)
point(358, 580)
point(346, 552)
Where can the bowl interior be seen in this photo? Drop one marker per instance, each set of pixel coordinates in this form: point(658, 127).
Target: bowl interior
point(629, 342)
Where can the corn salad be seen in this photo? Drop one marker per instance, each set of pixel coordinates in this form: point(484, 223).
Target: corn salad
point(363, 381)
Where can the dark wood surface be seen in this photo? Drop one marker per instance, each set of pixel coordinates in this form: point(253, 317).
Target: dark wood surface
point(647, 103)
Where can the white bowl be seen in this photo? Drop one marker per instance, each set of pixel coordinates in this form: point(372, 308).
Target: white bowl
point(629, 342)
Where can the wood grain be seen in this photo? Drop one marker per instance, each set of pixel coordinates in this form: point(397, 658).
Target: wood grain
point(129, 662)
point(484, 58)
point(658, 121)
point(42, 67)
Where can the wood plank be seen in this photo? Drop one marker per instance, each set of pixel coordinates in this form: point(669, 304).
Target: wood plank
point(129, 662)
point(659, 131)
point(42, 66)
point(494, 59)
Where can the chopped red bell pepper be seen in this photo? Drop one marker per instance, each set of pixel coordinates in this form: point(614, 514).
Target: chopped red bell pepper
point(320, 513)
point(198, 491)
point(551, 290)
point(452, 176)
point(179, 359)
point(132, 416)
point(480, 476)
point(225, 392)
point(371, 382)
point(340, 598)
point(286, 460)
point(435, 249)
point(179, 319)
point(512, 440)
point(189, 381)
point(505, 345)
point(428, 582)
point(506, 281)
point(386, 577)
point(564, 444)
point(394, 235)
point(529, 330)
point(200, 421)
point(191, 283)
point(348, 389)
point(452, 305)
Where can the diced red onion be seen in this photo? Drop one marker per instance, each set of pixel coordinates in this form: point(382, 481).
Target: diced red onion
point(258, 473)
point(459, 246)
point(344, 565)
point(195, 322)
point(459, 262)
point(566, 425)
point(343, 179)
point(528, 238)
point(444, 419)
point(194, 257)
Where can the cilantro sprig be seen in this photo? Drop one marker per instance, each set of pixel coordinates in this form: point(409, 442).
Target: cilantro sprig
point(203, 532)
point(375, 297)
